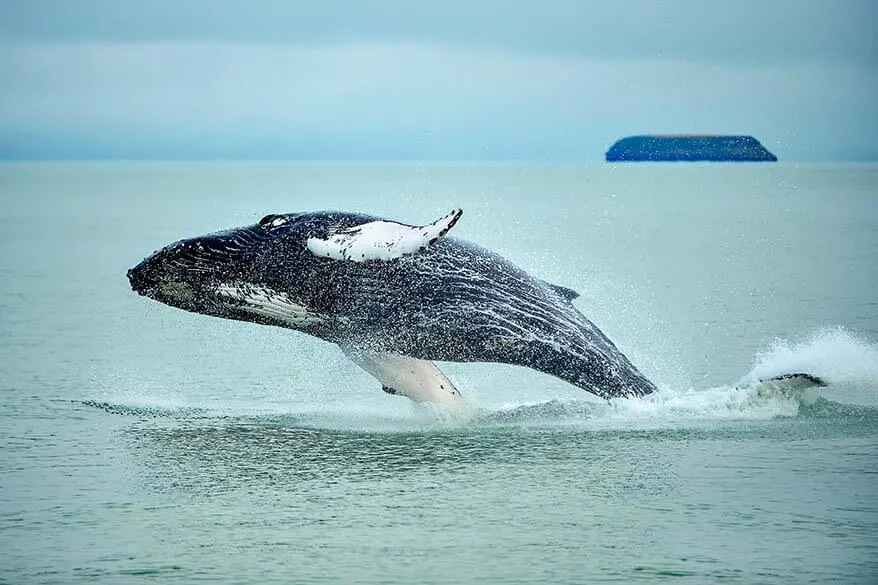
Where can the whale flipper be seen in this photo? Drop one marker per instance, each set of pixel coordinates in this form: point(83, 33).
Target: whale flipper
point(401, 375)
point(380, 240)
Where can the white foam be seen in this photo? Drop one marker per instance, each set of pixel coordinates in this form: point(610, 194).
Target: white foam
point(834, 354)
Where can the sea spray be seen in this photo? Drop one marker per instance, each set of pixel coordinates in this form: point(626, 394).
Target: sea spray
point(834, 354)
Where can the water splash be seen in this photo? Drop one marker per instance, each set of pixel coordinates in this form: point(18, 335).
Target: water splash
point(835, 355)
point(668, 408)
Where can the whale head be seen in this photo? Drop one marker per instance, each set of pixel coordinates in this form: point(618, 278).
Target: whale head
point(219, 274)
point(287, 270)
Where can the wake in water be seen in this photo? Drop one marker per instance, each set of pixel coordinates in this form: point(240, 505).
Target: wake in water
point(834, 355)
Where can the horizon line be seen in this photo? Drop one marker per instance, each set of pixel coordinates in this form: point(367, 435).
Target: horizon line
point(438, 161)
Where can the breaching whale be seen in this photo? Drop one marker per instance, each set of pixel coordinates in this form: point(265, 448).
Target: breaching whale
point(394, 297)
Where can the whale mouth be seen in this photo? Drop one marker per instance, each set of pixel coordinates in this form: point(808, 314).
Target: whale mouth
point(154, 280)
point(171, 291)
point(175, 275)
point(142, 281)
point(186, 274)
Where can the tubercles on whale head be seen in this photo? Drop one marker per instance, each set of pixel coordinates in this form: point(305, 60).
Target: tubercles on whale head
point(266, 272)
point(231, 274)
point(185, 273)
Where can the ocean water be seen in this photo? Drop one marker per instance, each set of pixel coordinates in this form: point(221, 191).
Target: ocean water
point(142, 443)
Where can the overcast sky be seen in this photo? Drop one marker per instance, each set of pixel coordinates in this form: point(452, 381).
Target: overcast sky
point(453, 80)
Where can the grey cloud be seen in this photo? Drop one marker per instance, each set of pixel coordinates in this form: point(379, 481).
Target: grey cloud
point(746, 30)
point(409, 100)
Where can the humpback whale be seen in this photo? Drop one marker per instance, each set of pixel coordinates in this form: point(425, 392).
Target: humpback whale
point(394, 297)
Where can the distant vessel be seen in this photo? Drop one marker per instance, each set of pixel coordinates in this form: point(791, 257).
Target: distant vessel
point(689, 148)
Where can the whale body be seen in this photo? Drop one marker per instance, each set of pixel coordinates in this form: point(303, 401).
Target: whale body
point(394, 297)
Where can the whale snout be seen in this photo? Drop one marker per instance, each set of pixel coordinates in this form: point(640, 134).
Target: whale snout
point(170, 274)
point(156, 279)
point(187, 273)
point(140, 279)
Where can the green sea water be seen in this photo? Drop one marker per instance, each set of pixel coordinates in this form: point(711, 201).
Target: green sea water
point(139, 443)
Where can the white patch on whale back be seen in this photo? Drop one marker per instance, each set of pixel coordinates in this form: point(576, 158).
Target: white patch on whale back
point(381, 240)
point(267, 302)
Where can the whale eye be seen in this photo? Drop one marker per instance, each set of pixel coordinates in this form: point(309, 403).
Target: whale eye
point(272, 221)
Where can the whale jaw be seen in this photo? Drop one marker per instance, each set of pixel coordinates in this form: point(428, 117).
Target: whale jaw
point(186, 274)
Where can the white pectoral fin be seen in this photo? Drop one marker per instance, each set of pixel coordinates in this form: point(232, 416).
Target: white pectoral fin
point(381, 240)
point(417, 379)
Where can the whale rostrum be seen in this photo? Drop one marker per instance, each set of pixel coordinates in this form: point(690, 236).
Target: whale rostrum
point(394, 297)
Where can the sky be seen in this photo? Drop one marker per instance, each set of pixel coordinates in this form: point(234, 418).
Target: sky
point(455, 80)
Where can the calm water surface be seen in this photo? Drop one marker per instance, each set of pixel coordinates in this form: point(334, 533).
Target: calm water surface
point(142, 443)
